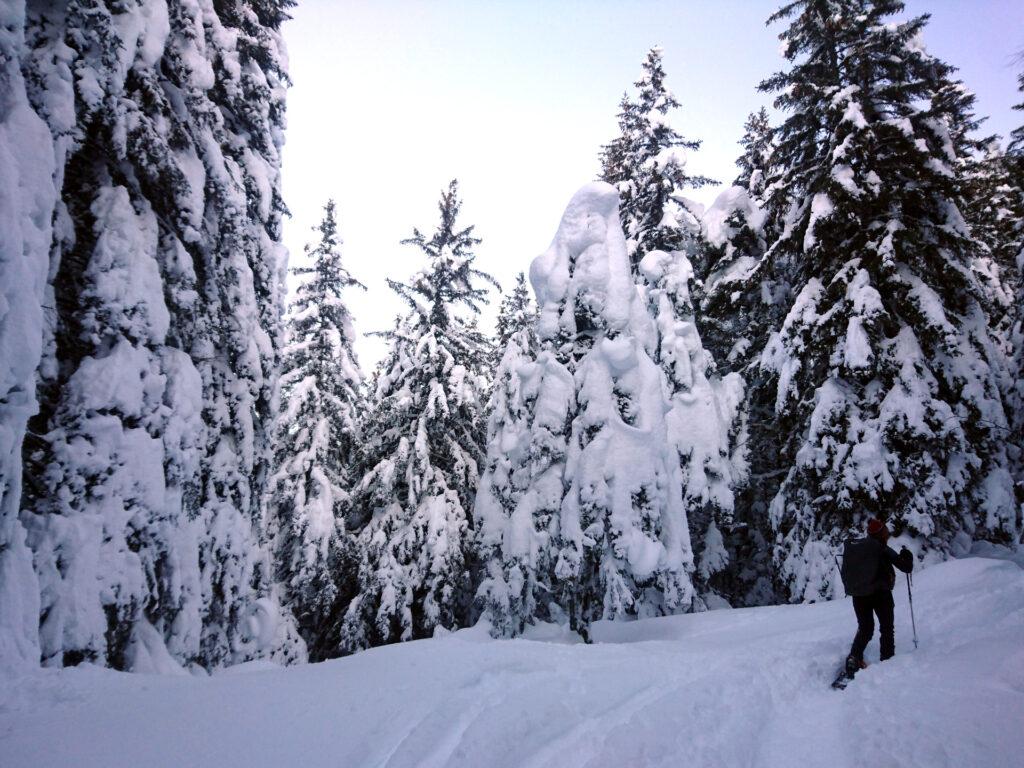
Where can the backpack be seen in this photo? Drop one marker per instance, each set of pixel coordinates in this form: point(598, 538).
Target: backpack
point(859, 570)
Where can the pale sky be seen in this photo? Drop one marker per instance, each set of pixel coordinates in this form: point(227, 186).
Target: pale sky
point(514, 98)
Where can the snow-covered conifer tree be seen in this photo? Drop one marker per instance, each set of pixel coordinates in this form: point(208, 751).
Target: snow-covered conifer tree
point(515, 314)
point(515, 568)
point(613, 154)
point(316, 440)
point(1015, 392)
point(704, 408)
point(622, 544)
point(1015, 398)
point(991, 204)
point(742, 296)
point(754, 161)
point(994, 208)
point(1015, 148)
point(27, 199)
point(507, 602)
point(647, 164)
point(581, 508)
point(423, 444)
point(160, 360)
point(734, 239)
point(882, 378)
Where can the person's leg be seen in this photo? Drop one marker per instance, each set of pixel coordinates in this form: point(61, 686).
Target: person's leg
point(862, 607)
point(885, 609)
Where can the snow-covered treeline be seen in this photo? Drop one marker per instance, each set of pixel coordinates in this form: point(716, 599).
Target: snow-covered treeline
point(860, 305)
point(697, 409)
point(858, 290)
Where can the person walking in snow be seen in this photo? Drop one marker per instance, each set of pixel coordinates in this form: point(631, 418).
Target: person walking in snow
point(869, 578)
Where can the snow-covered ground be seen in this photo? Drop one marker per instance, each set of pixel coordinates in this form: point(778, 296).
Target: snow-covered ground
point(728, 688)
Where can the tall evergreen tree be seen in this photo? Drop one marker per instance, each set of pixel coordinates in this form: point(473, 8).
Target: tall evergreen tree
point(742, 297)
point(516, 313)
point(316, 439)
point(989, 203)
point(734, 323)
point(734, 238)
point(754, 161)
point(882, 377)
point(28, 195)
point(160, 361)
point(423, 447)
point(994, 207)
point(701, 421)
point(647, 164)
point(1015, 153)
point(504, 594)
point(613, 154)
point(1015, 393)
point(1015, 148)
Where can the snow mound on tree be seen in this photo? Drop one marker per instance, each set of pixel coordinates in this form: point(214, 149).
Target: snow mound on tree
point(733, 210)
point(717, 221)
point(730, 687)
point(585, 265)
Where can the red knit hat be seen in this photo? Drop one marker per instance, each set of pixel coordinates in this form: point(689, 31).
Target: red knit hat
point(877, 529)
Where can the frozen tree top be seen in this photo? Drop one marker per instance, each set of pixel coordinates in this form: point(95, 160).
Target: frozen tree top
point(585, 266)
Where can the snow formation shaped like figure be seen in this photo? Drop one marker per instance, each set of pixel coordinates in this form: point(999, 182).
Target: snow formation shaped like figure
point(599, 528)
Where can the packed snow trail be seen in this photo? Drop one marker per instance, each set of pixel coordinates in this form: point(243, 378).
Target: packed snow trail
point(746, 687)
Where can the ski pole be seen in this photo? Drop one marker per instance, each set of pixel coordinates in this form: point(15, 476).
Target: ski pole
point(910, 596)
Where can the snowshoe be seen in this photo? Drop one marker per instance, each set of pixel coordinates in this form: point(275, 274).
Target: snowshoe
point(852, 666)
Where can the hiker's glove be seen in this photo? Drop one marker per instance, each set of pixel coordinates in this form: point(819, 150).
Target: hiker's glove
point(908, 558)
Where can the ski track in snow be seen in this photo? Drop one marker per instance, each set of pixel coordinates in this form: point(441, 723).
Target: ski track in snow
point(746, 687)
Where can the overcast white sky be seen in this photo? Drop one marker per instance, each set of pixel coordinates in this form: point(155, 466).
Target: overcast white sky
point(514, 98)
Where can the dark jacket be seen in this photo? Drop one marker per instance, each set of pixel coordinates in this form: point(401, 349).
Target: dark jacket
point(902, 560)
point(868, 566)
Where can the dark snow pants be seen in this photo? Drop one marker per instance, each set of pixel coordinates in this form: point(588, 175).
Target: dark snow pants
point(866, 608)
